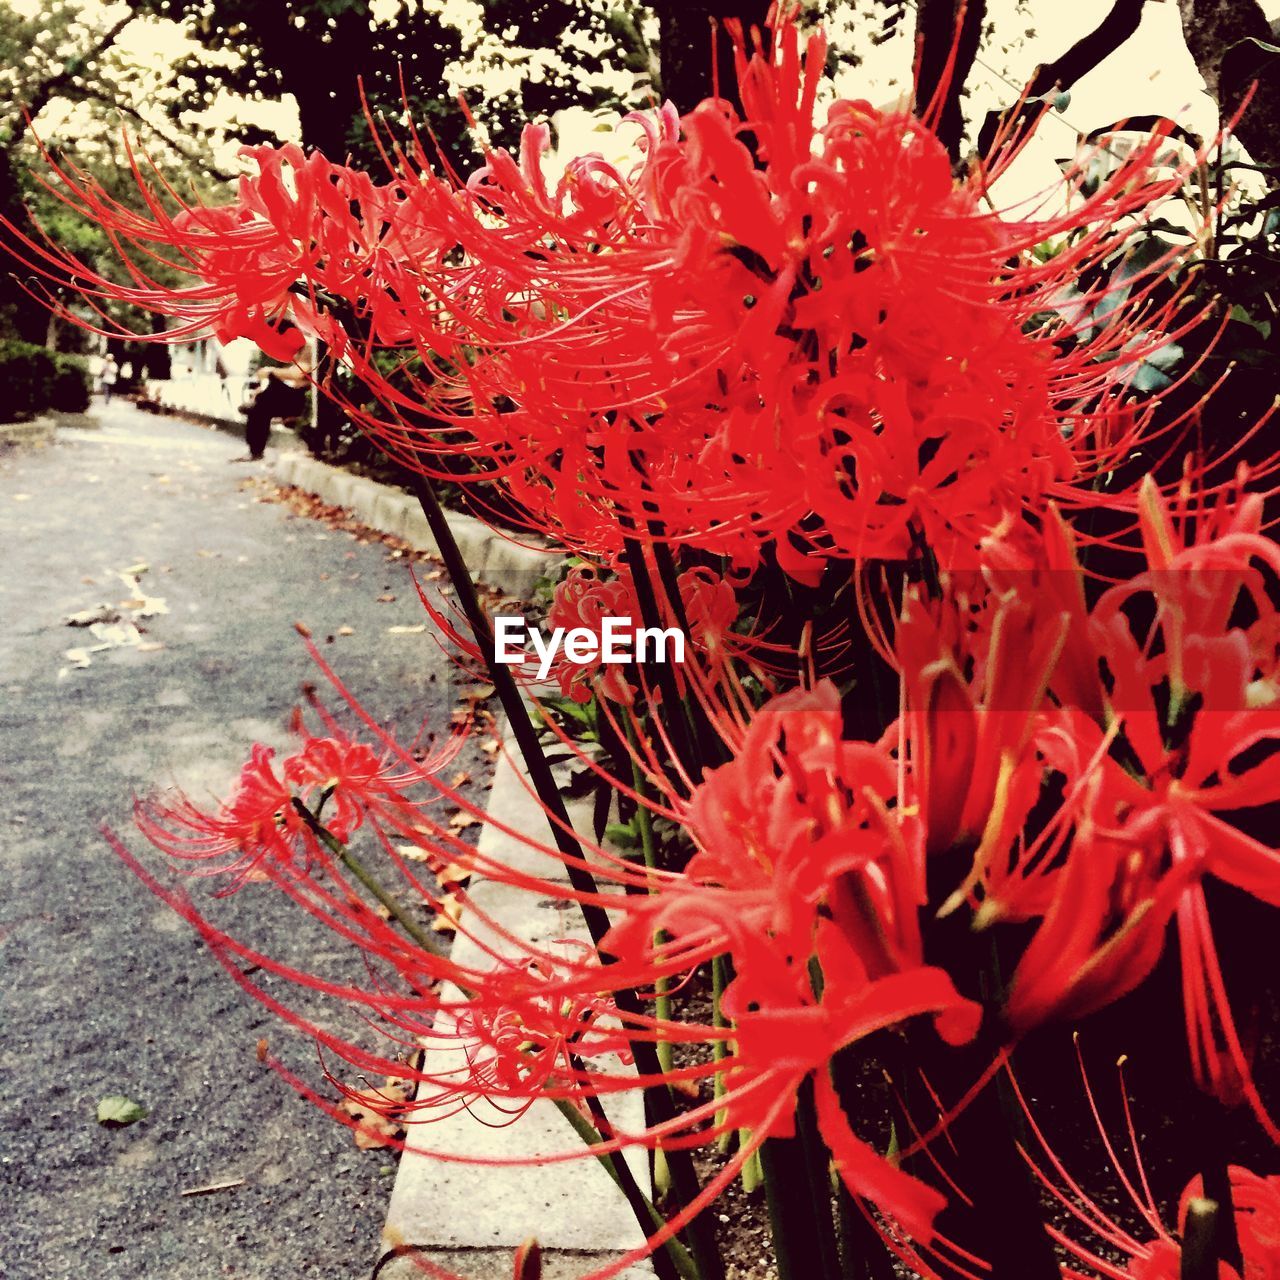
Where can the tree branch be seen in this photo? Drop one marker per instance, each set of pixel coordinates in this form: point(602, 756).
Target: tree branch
point(72, 68)
point(191, 156)
point(1063, 72)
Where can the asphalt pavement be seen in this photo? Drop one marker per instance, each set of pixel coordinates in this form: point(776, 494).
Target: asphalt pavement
point(102, 990)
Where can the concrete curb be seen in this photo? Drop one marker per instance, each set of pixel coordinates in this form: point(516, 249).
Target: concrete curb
point(493, 559)
point(37, 431)
point(470, 1218)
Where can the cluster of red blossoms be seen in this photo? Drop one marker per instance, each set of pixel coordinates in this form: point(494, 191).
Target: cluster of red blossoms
point(792, 343)
point(770, 330)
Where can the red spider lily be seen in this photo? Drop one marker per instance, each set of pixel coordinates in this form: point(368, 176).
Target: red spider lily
point(1157, 739)
point(731, 341)
point(586, 597)
point(804, 866)
point(787, 339)
point(812, 856)
point(332, 776)
point(257, 822)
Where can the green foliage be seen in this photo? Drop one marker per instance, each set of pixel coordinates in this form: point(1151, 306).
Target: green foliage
point(26, 376)
point(64, 68)
point(34, 379)
point(553, 53)
point(69, 392)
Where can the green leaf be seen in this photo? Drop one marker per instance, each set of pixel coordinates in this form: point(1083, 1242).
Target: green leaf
point(622, 834)
point(1166, 357)
point(117, 1111)
point(1149, 378)
point(1138, 259)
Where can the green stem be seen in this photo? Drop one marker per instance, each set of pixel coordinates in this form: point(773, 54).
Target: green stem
point(1211, 1124)
point(644, 824)
point(863, 1253)
point(366, 878)
point(677, 718)
point(707, 742)
point(526, 736)
point(719, 1048)
point(675, 1252)
point(798, 1186)
point(659, 1167)
point(684, 1175)
point(1199, 1241)
point(667, 1267)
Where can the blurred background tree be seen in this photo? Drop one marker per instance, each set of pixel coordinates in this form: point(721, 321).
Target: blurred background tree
point(84, 74)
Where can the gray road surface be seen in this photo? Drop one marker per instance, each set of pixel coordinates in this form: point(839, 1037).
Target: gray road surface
point(102, 991)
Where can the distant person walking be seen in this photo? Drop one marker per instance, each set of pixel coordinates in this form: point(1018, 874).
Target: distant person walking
point(109, 376)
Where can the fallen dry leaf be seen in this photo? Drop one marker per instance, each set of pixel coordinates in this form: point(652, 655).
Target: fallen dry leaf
point(453, 875)
point(386, 599)
point(413, 853)
point(462, 820)
point(346, 631)
point(229, 1185)
point(402, 630)
point(448, 915)
point(378, 1113)
point(96, 613)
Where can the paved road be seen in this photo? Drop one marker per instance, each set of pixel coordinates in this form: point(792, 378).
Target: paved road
point(102, 991)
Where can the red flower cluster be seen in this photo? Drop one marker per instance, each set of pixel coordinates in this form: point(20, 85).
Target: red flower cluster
point(781, 341)
point(770, 330)
point(586, 597)
point(1154, 713)
point(1256, 1201)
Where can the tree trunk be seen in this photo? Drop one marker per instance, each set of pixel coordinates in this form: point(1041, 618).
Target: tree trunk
point(941, 27)
point(694, 51)
point(1219, 34)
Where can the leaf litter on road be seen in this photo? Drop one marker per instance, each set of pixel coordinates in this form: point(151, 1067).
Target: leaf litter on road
point(378, 1113)
point(107, 624)
point(117, 1111)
